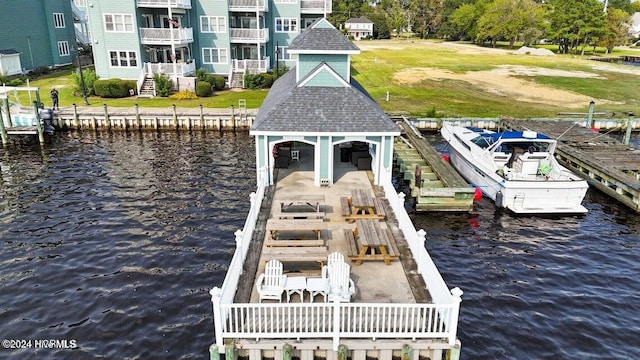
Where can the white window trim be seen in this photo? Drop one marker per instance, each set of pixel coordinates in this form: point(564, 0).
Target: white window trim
point(284, 50)
point(58, 20)
point(63, 48)
point(133, 25)
point(286, 1)
point(217, 28)
point(218, 50)
point(137, 58)
point(289, 20)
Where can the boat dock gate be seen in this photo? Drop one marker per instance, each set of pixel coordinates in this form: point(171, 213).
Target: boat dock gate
point(607, 163)
point(434, 184)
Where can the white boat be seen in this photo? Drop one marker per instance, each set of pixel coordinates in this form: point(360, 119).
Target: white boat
point(515, 169)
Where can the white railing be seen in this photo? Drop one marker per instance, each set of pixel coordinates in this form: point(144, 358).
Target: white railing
point(251, 66)
point(182, 4)
point(315, 6)
point(248, 5)
point(163, 36)
point(437, 320)
point(249, 35)
point(181, 69)
point(140, 80)
point(77, 13)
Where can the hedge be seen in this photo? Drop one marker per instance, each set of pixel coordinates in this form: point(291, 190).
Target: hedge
point(203, 89)
point(114, 88)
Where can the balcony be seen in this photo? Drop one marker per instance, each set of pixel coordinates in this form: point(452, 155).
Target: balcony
point(249, 36)
point(164, 36)
point(315, 6)
point(181, 69)
point(251, 66)
point(249, 5)
point(164, 4)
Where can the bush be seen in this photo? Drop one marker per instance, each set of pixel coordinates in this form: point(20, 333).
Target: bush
point(217, 81)
point(163, 84)
point(89, 77)
point(203, 88)
point(184, 95)
point(113, 88)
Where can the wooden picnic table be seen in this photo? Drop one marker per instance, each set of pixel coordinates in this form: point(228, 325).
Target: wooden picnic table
point(362, 200)
point(361, 205)
point(306, 201)
point(371, 242)
point(275, 226)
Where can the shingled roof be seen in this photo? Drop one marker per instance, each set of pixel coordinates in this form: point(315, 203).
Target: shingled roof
point(316, 38)
point(320, 109)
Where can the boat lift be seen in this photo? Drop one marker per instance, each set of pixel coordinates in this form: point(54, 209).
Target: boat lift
point(23, 121)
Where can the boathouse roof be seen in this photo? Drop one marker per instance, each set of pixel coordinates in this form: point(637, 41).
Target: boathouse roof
point(292, 106)
point(319, 37)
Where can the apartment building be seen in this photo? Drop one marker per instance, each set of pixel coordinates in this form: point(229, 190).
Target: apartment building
point(134, 39)
point(41, 32)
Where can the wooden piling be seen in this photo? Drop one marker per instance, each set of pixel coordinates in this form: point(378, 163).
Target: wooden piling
point(138, 124)
point(36, 109)
point(3, 132)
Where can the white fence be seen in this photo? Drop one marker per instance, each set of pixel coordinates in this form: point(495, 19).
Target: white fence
point(437, 320)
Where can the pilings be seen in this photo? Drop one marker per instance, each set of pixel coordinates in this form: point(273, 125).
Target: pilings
point(137, 118)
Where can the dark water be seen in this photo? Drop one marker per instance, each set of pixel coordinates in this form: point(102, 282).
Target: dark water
point(113, 241)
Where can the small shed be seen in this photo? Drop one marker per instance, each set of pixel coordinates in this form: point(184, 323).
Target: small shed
point(359, 27)
point(10, 62)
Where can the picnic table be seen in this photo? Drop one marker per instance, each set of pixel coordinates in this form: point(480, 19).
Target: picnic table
point(306, 202)
point(362, 201)
point(275, 227)
point(369, 241)
point(361, 205)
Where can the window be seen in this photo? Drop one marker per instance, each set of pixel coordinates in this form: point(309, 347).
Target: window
point(80, 3)
point(284, 54)
point(63, 48)
point(118, 22)
point(286, 1)
point(215, 24)
point(286, 25)
point(214, 56)
point(123, 58)
point(58, 20)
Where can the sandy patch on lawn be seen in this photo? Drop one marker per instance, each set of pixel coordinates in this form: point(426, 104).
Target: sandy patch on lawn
point(501, 81)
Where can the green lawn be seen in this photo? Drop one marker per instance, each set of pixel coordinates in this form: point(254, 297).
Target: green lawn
point(379, 64)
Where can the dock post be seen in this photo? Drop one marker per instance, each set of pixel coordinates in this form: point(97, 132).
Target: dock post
point(38, 124)
point(590, 121)
point(201, 117)
point(287, 351)
point(627, 134)
point(3, 132)
point(214, 354)
point(407, 352)
point(175, 117)
point(343, 352)
point(138, 126)
point(38, 98)
point(454, 352)
point(74, 124)
point(6, 105)
point(229, 352)
point(106, 117)
point(233, 118)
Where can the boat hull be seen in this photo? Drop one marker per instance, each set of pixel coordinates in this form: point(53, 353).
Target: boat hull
point(520, 196)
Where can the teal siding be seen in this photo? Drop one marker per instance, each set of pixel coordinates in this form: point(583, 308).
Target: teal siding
point(210, 40)
point(104, 42)
point(325, 148)
point(27, 26)
point(324, 78)
point(339, 63)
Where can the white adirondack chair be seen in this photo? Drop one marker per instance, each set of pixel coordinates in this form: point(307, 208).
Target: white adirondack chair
point(270, 284)
point(340, 284)
point(320, 286)
point(335, 257)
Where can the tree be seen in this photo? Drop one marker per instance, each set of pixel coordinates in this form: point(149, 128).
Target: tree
point(618, 22)
point(427, 15)
point(509, 19)
point(463, 22)
point(576, 22)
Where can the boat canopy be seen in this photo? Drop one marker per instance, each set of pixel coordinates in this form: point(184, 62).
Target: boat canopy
point(486, 138)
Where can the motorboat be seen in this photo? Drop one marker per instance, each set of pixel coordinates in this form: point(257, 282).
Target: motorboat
point(515, 169)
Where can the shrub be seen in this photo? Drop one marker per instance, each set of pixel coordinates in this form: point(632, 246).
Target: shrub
point(267, 80)
point(16, 82)
point(89, 77)
point(113, 88)
point(184, 95)
point(219, 82)
point(163, 84)
point(253, 81)
point(203, 88)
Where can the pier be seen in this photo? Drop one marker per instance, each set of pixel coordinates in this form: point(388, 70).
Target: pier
point(434, 184)
point(608, 164)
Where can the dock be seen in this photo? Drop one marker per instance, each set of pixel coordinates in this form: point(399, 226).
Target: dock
point(440, 187)
point(398, 306)
point(607, 164)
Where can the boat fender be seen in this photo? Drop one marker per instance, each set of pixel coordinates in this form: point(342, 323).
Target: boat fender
point(499, 199)
point(445, 157)
point(478, 195)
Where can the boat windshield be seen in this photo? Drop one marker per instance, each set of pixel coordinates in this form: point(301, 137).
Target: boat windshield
point(483, 141)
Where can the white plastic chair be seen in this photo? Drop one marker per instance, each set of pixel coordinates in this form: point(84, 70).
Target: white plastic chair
point(341, 287)
point(270, 284)
point(321, 286)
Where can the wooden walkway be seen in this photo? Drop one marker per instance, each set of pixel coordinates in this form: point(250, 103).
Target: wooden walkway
point(442, 188)
point(609, 165)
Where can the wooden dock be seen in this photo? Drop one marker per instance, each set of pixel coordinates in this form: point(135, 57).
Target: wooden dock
point(441, 188)
point(608, 164)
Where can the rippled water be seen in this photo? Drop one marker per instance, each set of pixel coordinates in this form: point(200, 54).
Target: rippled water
point(113, 240)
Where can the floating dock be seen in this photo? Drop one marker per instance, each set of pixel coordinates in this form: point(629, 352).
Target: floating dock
point(608, 164)
point(441, 188)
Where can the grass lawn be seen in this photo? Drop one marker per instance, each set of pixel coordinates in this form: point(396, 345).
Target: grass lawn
point(427, 78)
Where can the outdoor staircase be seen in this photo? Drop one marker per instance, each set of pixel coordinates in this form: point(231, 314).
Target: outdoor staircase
point(237, 80)
point(148, 88)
